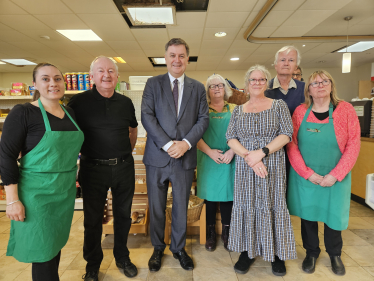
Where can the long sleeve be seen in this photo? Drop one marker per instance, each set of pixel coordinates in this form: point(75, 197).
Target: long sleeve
point(293, 152)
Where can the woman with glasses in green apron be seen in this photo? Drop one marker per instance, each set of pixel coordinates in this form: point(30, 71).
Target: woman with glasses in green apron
point(41, 192)
point(215, 163)
point(324, 148)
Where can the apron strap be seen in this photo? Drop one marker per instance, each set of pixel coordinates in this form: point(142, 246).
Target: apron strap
point(45, 117)
point(72, 120)
point(331, 109)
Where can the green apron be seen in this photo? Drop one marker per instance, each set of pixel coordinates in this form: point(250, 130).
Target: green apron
point(47, 190)
point(320, 151)
point(215, 182)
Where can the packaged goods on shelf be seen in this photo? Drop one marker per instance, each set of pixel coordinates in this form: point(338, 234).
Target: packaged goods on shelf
point(32, 90)
point(21, 86)
point(17, 92)
point(4, 112)
point(78, 81)
point(139, 147)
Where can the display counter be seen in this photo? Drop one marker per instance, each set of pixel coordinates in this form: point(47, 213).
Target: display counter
point(364, 166)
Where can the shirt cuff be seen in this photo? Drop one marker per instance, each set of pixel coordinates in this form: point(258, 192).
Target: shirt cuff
point(188, 143)
point(167, 146)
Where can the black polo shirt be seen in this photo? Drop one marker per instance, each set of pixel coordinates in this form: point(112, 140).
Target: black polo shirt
point(105, 123)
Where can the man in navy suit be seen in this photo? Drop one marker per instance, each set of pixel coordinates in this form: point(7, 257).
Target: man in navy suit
point(175, 115)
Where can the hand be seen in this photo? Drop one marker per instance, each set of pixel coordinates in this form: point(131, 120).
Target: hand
point(16, 211)
point(315, 178)
point(253, 157)
point(178, 149)
point(328, 181)
point(260, 170)
point(216, 155)
point(227, 157)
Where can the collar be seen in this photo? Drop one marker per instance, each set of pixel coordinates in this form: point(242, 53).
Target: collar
point(100, 97)
point(224, 105)
point(276, 83)
point(180, 79)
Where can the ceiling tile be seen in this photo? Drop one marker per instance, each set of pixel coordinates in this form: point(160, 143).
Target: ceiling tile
point(22, 22)
point(97, 48)
point(241, 33)
point(92, 6)
point(209, 59)
point(5, 27)
point(264, 32)
point(10, 36)
point(62, 21)
point(369, 20)
point(214, 52)
point(287, 5)
point(324, 4)
point(124, 67)
point(142, 67)
point(242, 54)
point(53, 35)
point(244, 44)
point(327, 47)
point(215, 44)
point(309, 56)
point(290, 31)
point(191, 34)
point(224, 66)
point(9, 8)
point(275, 18)
point(67, 48)
point(189, 20)
point(42, 7)
point(207, 66)
point(191, 66)
point(151, 34)
point(131, 53)
point(226, 19)
point(260, 4)
point(249, 19)
point(121, 45)
point(308, 18)
point(231, 33)
point(133, 60)
point(231, 6)
point(153, 45)
point(154, 53)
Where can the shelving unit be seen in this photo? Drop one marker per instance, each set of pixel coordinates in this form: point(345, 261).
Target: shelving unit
point(16, 97)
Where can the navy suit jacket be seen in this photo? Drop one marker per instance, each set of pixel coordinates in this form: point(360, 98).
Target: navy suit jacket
point(162, 124)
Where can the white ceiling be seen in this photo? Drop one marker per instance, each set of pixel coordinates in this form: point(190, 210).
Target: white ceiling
point(23, 22)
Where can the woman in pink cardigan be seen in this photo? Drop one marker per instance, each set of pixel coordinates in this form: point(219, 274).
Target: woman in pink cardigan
point(324, 148)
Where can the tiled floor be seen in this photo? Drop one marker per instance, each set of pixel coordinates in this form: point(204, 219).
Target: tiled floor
point(358, 257)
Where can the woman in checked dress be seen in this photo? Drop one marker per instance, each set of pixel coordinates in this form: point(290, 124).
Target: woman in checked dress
point(260, 223)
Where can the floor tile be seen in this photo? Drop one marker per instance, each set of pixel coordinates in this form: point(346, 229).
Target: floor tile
point(363, 255)
point(366, 234)
point(361, 211)
point(352, 273)
point(324, 259)
point(369, 269)
point(117, 275)
point(4, 226)
point(369, 220)
point(297, 274)
point(10, 268)
point(259, 262)
point(70, 275)
point(139, 241)
point(2, 253)
point(79, 263)
point(258, 274)
point(214, 274)
point(296, 222)
point(218, 259)
point(75, 241)
point(170, 274)
point(4, 237)
point(350, 238)
point(67, 256)
point(359, 223)
point(300, 257)
point(139, 257)
point(77, 215)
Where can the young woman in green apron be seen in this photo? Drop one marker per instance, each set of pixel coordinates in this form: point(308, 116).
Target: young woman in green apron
point(41, 193)
point(215, 164)
point(319, 187)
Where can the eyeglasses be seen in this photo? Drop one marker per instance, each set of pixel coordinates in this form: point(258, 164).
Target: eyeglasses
point(220, 86)
point(324, 83)
point(297, 75)
point(261, 81)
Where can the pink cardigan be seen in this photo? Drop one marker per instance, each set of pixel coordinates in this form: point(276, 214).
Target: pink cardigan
point(347, 131)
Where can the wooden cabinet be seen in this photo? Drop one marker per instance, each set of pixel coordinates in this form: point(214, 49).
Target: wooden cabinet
point(364, 88)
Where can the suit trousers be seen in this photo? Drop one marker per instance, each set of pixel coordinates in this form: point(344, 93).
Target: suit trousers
point(157, 185)
point(95, 181)
point(309, 234)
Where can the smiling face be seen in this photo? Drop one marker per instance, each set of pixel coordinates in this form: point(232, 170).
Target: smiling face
point(49, 82)
point(322, 91)
point(257, 88)
point(176, 60)
point(104, 75)
point(286, 63)
point(216, 92)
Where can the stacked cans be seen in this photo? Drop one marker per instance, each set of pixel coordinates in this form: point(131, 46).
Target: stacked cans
point(78, 81)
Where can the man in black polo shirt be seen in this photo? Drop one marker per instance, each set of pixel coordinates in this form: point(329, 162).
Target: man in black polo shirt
point(108, 122)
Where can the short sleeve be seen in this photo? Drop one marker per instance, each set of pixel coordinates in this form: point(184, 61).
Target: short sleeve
point(231, 132)
point(133, 121)
point(285, 121)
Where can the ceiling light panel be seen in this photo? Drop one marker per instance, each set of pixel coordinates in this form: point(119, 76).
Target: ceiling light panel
point(18, 62)
point(159, 60)
point(358, 47)
point(151, 15)
point(80, 34)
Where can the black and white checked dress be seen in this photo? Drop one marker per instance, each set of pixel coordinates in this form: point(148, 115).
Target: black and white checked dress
point(260, 222)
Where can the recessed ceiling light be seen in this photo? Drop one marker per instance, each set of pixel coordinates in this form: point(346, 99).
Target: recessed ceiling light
point(2, 62)
point(359, 47)
point(159, 60)
point(117, 59)
point(80, 34)
point(156, 15)
point(19, 62)
point(303, 45)
point(220, 34)
point(234, 59)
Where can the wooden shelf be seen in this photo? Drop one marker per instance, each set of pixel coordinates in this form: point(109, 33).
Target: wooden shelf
point(16, 97)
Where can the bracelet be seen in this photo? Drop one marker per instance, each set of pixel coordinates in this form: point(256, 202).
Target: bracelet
point(11, 203)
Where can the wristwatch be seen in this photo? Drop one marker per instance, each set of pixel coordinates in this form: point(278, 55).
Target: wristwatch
point(265, 150)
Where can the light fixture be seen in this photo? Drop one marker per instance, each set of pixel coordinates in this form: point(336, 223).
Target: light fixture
point(2, 62)
point(359, 47)
point(159, 61)
point(80, 34)
point(19, 62)
point(118, 59)
point(346, 63)
point(220, 34)
point(151, 15)
point(234, 59)
point(303, 45)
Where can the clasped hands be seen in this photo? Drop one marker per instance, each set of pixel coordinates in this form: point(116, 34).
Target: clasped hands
point(325, 181)
point(178, 149)
point(221, 158)
point(254, 160)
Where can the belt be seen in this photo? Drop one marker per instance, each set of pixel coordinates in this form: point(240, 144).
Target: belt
point(106, 162)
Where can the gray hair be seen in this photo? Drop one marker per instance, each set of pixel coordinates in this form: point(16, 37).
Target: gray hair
point(228, 91)
point(176, 42)
point(288, 49)
point(99, 57)
point(258, 67)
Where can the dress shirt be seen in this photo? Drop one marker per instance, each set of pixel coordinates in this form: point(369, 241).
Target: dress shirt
point(276, 84)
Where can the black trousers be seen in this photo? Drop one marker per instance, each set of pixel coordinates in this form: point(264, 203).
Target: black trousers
point(46, 271)
point(95, 181)
point(225, 208)
point(157, 186)
point(333, 239)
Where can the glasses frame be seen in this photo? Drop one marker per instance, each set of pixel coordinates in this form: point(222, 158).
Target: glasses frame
point(216, 86)
point(316, 84)
point(254, 81)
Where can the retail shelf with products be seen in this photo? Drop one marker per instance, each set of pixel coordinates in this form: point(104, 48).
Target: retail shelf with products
point(78, 204)
point(15, 97)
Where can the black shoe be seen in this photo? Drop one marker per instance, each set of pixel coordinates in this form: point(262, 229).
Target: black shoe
point(243, 263)
point(309, 264)
point(154, 262)
point(91, 276)
point(184, 259)
point(278, 268)
point(129, 269)
point(211, 243)
point(225, 236)
point(337, 265)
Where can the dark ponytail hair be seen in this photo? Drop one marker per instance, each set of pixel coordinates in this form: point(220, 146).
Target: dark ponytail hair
point(35, 71)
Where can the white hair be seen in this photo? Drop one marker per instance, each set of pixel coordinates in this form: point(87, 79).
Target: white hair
point(228, 91)
point(258, 67)
point(99, 57)
point(288, 49)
